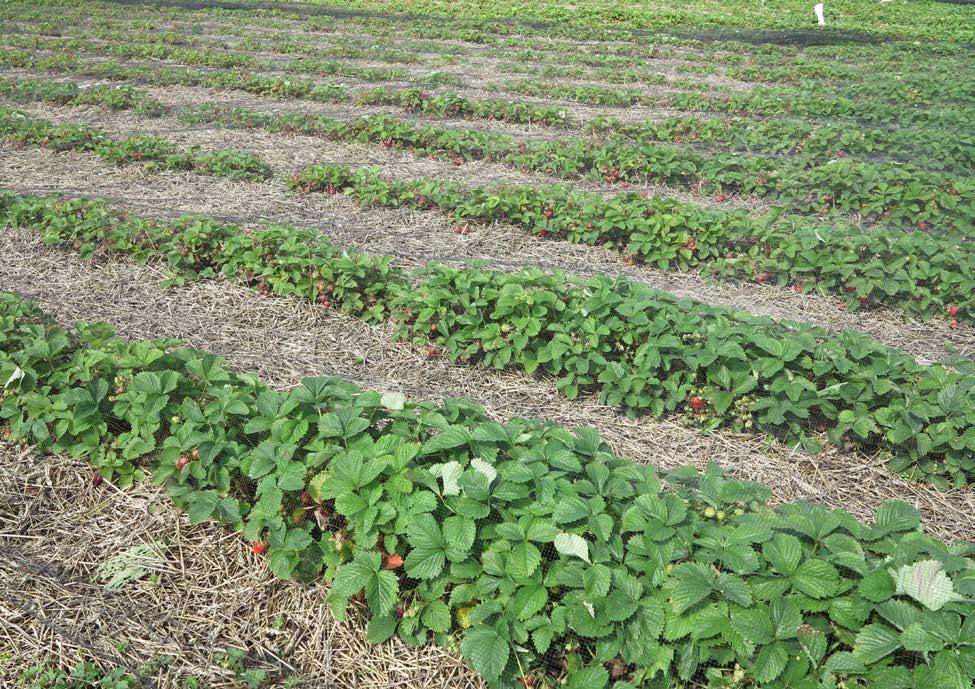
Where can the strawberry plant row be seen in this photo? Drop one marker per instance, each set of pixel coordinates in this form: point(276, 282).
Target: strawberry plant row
point(927, 149)
point(538, 554)
point(157, 153)
point(930, 149)
point(410, 99)
point(925, 274)
point(641, 349)
point(69, 93)
point(898, 196)
point(204, 57)
point(758, 101)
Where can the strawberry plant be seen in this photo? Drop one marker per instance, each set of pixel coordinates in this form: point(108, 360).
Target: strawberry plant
point(640, 349)
point(154, 151)
point(536, 552)
point(918, 272)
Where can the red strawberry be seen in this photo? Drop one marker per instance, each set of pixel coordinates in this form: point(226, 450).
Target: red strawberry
point(697, 404)
point(762, 277)
point(259, 547)
point(797, 288)
point(359, 597)
point(305, 498)
point(97, 479)
point(691, 243)
point(526, 681)
point(720, 198)
point(841, 307)
point(588, 225)
point(399, 612)
point(922, 226)
point(952, 310)
point(393, 561)
point(548, 213)
point(182, 462)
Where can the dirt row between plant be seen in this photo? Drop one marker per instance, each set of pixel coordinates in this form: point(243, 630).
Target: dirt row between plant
point(210, 593)
point(285, 340)
point(416, 237)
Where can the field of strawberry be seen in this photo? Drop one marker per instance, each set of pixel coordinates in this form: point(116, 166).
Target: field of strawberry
point(487, 345)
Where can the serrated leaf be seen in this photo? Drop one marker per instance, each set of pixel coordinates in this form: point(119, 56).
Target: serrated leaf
point(874, 642)
point(529, 600)
point(770, 662)
point(572, 545)
point(425, 563)
point(816, 578)
point(484, 468)
point(894, 516)
point(393, 401)
point(596, 580)
point(458, 535)
point(693, 583)
point(523, 560)
point(449, 473)
point(436, 617)
point(926, 582)
point(588, 678)
point(813, 643)
point(786, 617)
point(381, 628)
point(783, 552)
point(448, 439)
point(487, 652)
point(877, 586)
point(754, 625)
point(917, 638)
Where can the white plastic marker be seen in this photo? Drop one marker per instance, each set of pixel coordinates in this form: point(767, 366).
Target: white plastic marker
point(818, 9)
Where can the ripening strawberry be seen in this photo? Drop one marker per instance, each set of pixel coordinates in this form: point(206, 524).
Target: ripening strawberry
point(526, 681)
point(182, 462)
point(259, 547)
point(953, 324)
point(697, 404)
point(393, 561)
point(952, 310)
